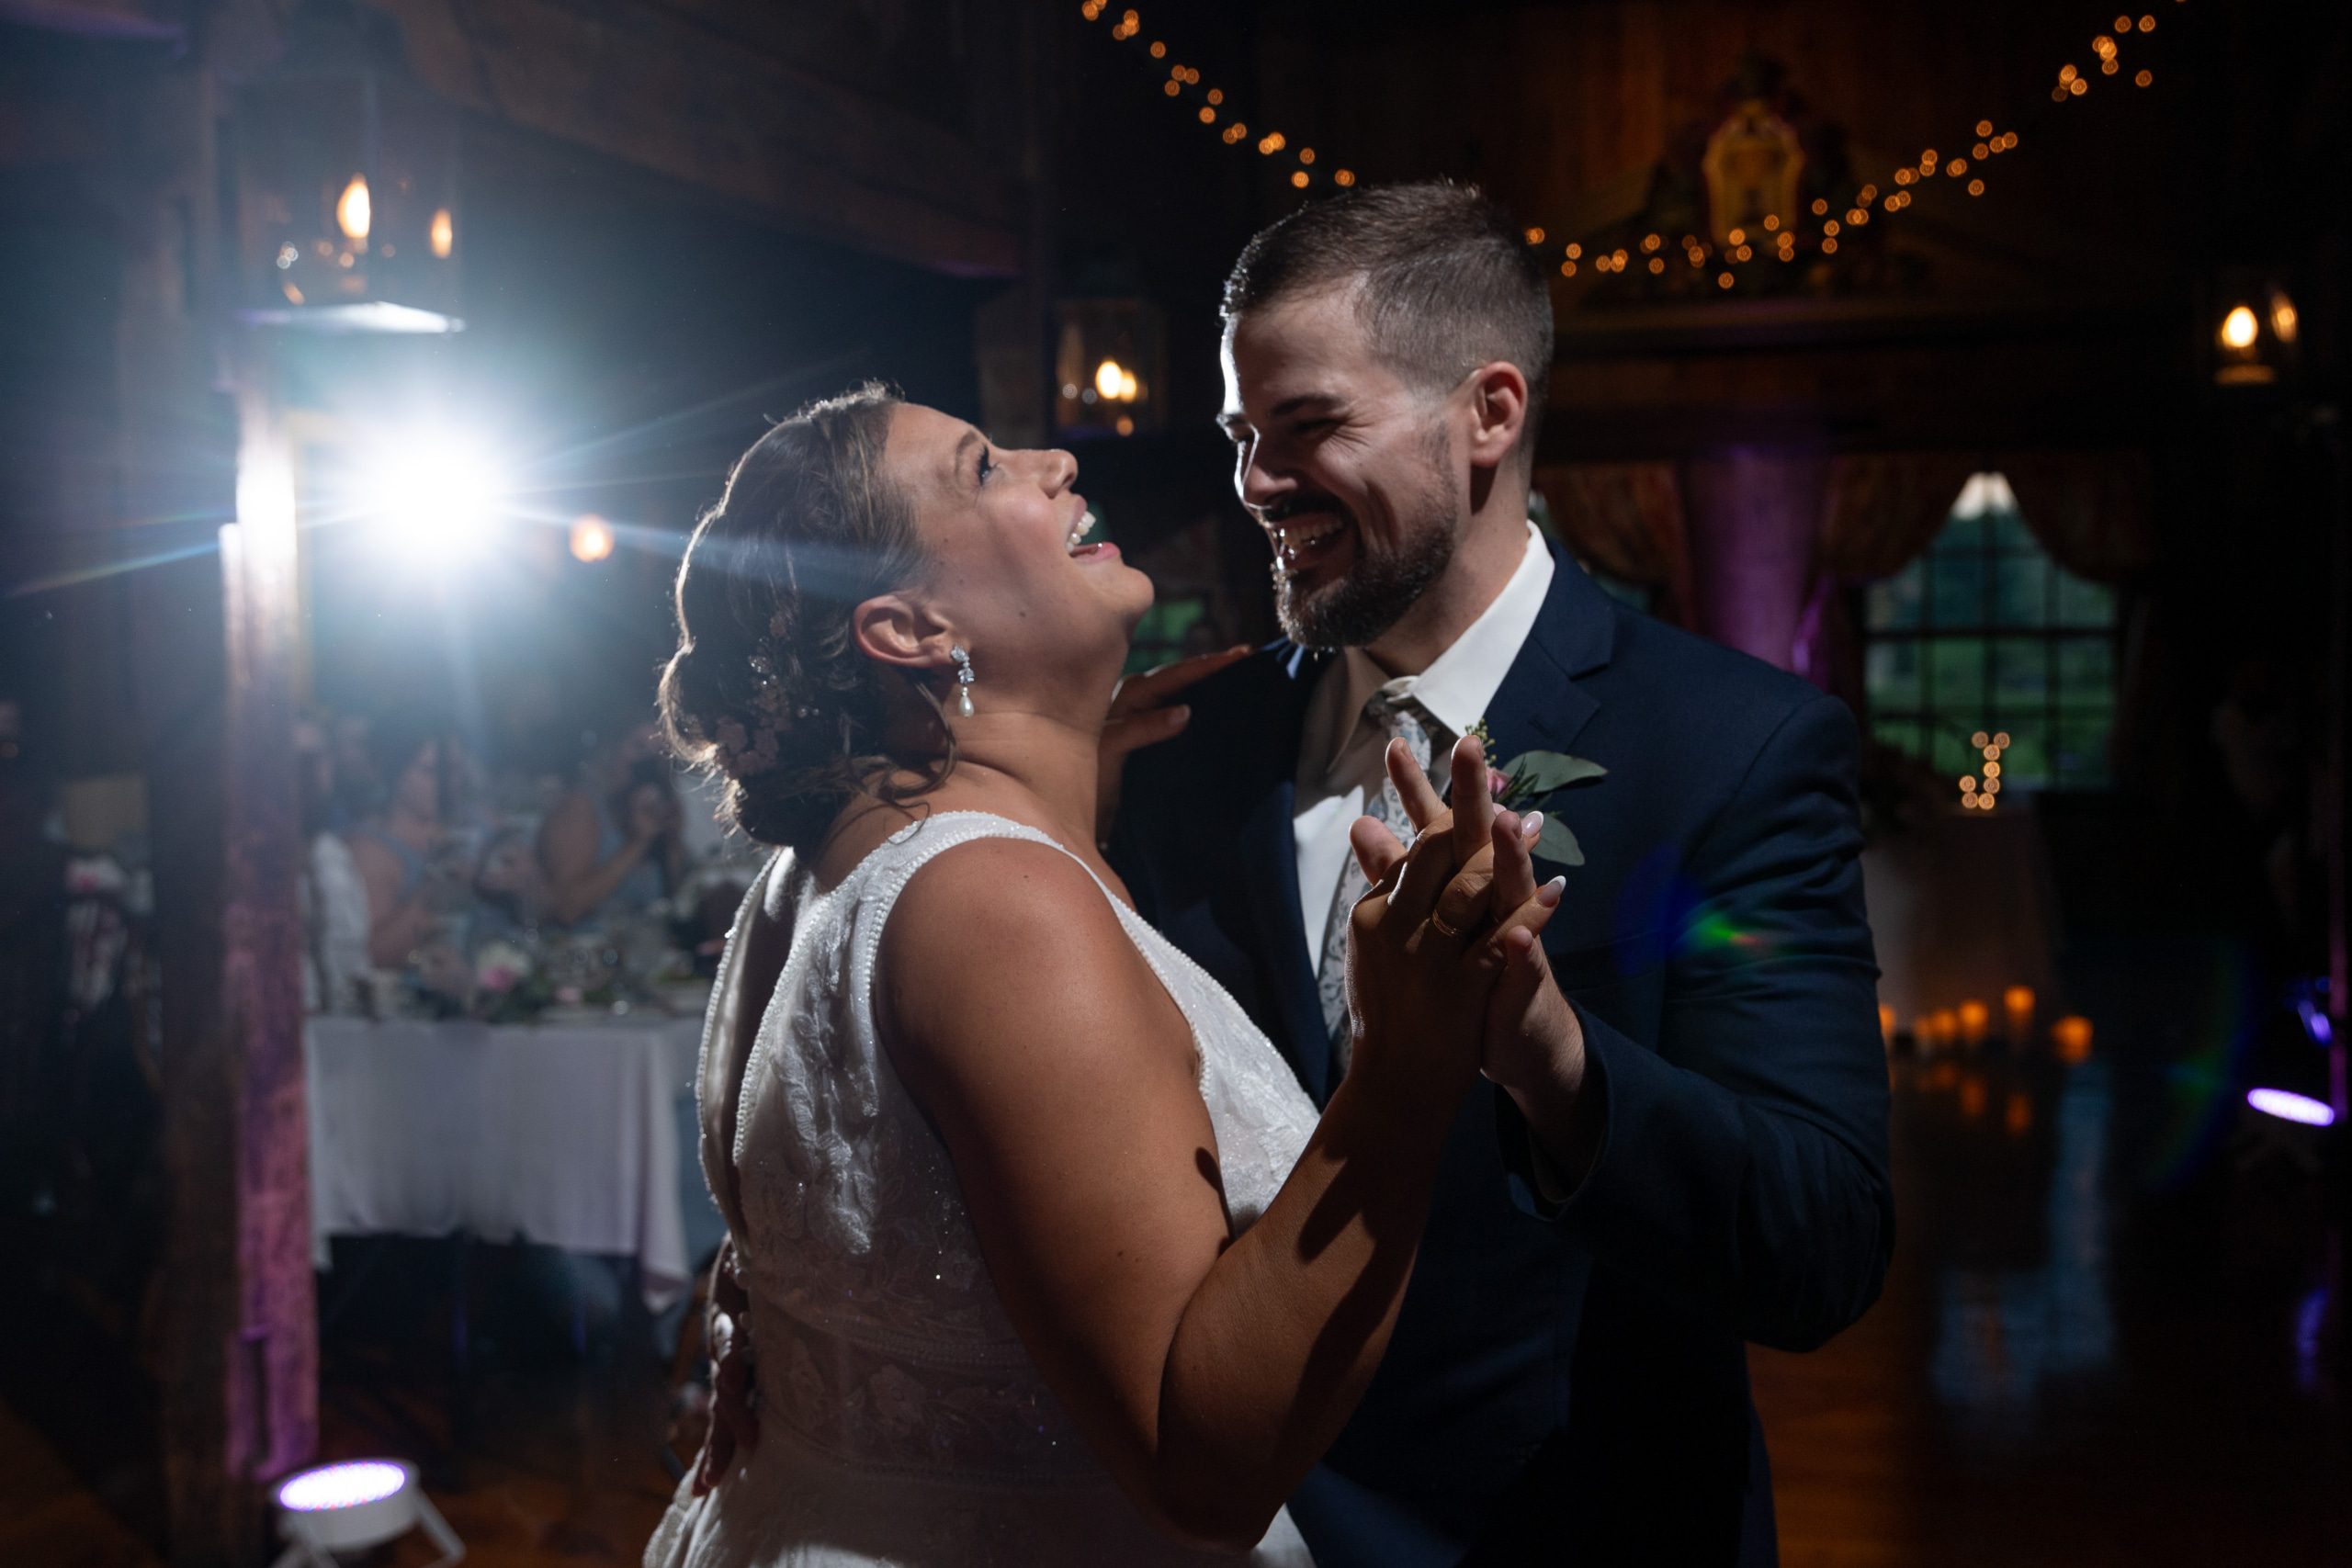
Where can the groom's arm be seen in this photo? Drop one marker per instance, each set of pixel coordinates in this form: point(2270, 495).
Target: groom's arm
point(1741, 1165)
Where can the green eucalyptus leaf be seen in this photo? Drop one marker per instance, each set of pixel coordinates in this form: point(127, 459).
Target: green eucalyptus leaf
point(1541, 773)
point(1556, 843)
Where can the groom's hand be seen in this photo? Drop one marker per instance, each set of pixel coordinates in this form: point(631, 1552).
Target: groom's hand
point(1142, 714)
point(1534, 1045)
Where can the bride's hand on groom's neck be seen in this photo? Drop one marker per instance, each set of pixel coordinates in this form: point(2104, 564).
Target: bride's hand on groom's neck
point(1145, 712)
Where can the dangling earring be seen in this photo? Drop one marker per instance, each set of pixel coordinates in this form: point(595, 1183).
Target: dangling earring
point(963, 681)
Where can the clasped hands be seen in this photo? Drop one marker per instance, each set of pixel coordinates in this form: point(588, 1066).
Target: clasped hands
point(1445, 946)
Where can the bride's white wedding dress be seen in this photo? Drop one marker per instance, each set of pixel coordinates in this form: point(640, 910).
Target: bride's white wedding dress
point(901, 1422)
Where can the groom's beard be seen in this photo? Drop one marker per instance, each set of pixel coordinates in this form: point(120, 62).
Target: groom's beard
point(1381, 583)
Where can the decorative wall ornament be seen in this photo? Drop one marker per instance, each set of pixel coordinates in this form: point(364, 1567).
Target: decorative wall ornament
point(1752, 164)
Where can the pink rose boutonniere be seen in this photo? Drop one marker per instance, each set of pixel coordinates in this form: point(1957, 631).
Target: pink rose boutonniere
point(1530, 780)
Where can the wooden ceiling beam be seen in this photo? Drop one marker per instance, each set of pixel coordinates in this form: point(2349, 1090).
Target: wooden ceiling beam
point(642, 84)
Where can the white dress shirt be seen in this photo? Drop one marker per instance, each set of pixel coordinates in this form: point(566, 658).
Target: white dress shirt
point(1339, 750)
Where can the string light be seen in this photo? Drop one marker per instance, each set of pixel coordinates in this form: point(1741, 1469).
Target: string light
point(1988, 143)
point(1182, 76)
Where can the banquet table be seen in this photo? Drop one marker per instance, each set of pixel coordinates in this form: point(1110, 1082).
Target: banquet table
point(565, 1133)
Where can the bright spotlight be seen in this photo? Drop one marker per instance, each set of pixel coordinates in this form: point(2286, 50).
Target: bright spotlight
point(353, 1506)
point(431, 496)
point(2291, 1107)
point(592, 539)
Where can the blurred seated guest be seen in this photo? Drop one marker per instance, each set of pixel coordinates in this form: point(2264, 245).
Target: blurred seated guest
point(403, 850)
point(612, 846)
point(512, 891)
point(351, 766)
point(333, 896)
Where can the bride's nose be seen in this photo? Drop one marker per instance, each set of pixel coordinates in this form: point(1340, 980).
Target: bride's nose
point(1060, 471)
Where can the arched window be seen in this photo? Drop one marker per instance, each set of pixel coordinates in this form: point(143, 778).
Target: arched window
point(1984, 632)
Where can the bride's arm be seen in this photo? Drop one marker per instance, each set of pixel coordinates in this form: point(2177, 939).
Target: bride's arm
point(1209, 1374)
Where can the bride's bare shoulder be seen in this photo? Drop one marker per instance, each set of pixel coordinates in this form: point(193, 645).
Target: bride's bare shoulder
point(1008, 944)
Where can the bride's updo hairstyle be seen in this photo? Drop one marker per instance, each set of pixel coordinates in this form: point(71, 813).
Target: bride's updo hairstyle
point(768, 689)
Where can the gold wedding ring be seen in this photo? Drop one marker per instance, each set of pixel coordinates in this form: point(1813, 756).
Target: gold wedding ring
point(1442, 928)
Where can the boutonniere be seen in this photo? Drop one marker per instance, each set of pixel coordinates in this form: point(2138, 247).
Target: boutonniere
point(1527, 781)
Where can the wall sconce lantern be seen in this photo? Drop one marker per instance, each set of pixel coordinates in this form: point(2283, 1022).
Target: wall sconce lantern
point(2256, 333)
point(347, 181)
point(1109, 360)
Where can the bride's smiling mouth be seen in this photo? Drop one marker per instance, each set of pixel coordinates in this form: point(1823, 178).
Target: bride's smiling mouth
point(1082, 548)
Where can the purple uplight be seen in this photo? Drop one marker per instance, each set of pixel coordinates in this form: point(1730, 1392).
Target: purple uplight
point(341, 1486)
point(2290, 1107)
point(2316, 1023)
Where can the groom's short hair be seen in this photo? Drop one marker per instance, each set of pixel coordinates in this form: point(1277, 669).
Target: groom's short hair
point(1445, 280)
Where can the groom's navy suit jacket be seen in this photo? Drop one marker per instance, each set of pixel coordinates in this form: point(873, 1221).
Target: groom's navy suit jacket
point(1568, 1384)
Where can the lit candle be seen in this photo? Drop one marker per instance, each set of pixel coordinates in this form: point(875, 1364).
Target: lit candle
point(1886, 1024)
point(2072, 1035)
point(1947, 1026)
point(1974, 1015)
point(2018, 1002)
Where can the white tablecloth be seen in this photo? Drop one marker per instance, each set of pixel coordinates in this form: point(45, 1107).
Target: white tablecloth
point(563, 1134)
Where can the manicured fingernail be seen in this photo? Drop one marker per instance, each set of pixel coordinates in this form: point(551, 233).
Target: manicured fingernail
point(1549, 894)
point(1533, 828)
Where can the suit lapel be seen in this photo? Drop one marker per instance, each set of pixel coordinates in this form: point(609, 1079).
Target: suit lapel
point(1541, 704)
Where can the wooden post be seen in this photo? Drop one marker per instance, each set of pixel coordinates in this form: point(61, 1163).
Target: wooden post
point(214, 635)
point(273, 1413)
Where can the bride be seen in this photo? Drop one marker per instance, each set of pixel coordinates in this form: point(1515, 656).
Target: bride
point(1049, 1259)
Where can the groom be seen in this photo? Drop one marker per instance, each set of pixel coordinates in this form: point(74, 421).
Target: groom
point(1685, 1148)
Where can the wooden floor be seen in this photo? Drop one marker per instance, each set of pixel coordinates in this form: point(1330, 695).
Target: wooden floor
point(2105, 1340)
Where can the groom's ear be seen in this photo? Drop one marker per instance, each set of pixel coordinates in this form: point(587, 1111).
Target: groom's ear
point(892, 629)
point(1498, 413)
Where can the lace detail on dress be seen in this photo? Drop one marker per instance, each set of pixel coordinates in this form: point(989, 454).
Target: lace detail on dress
point(888, 1347)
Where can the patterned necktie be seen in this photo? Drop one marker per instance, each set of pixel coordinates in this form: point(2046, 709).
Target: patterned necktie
point(1393, 710)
